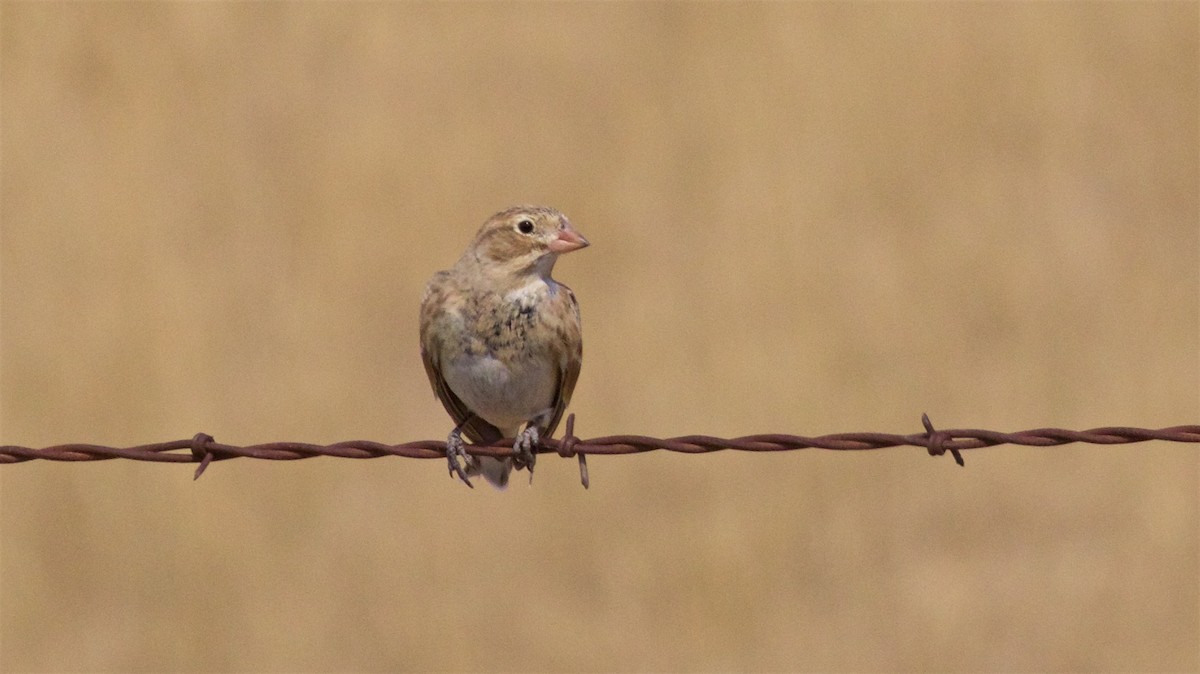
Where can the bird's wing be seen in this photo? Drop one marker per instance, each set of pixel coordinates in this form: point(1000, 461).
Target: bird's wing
point(476, 429)
point(570, 358)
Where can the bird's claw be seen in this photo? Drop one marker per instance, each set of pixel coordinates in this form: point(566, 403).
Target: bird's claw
point(524, 450)
point(457, 457)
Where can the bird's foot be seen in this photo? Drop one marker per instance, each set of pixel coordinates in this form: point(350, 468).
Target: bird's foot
point(457, 457)
point(525, 450)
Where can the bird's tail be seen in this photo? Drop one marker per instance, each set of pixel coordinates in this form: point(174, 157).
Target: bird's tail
point(494, 470)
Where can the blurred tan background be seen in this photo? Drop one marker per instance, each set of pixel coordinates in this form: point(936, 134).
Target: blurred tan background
point(806, 218)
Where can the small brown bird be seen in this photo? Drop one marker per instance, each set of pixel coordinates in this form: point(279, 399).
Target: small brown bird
point(502, 341)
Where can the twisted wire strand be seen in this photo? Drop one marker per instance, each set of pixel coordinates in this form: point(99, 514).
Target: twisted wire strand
point(203, 449)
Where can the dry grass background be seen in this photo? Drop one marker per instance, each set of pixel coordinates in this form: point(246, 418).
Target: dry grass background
point(805, 218)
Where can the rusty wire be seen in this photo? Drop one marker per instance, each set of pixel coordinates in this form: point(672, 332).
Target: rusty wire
point(203, 449)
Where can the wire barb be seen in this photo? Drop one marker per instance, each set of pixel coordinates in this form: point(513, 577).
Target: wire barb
point(203, 449)
point(201, 453)
point(566, 449)
point(936, 442)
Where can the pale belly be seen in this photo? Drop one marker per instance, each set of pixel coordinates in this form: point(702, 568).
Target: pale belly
point(504, 397)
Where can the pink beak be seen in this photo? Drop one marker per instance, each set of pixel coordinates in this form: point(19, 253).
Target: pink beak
point(568, 240)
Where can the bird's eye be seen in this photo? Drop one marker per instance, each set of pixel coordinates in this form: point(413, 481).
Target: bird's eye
point(525, 227)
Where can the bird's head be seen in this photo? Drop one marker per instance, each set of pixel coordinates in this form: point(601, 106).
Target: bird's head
point(524, 239)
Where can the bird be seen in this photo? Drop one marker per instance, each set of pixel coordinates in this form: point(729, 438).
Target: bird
point(501, 340)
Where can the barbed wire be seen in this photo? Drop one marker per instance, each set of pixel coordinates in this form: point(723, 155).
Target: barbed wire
point(203, 449)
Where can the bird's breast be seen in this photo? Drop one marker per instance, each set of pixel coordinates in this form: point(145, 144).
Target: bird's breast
point(506, 369)
point(505, 393)
point(509, 326)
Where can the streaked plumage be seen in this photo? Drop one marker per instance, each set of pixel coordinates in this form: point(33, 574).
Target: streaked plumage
point(501, 339)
